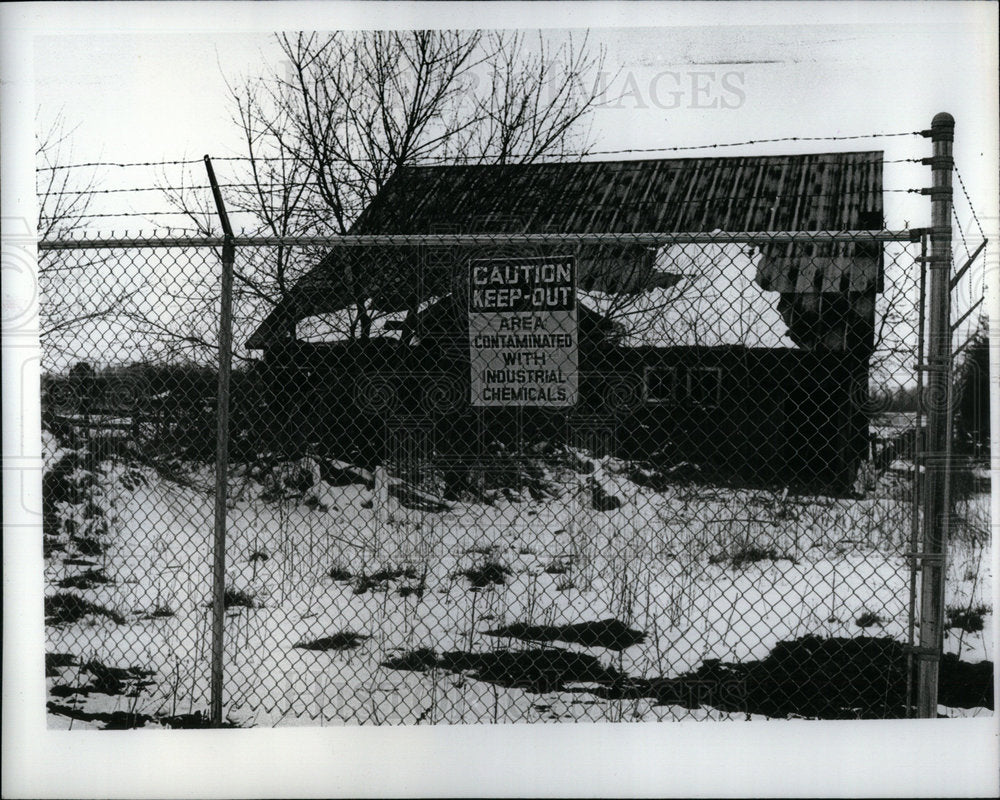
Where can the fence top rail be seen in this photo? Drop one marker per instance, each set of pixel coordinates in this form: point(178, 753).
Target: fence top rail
point(479, 239)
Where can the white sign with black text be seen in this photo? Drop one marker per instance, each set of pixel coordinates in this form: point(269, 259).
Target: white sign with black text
point(523, 331)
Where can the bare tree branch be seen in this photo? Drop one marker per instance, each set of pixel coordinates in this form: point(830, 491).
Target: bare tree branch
point(323, 135)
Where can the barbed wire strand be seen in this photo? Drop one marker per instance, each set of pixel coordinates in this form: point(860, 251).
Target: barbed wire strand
point(615, 205)
point(251, 185)
point(968, 199)
point(961, 232)
point(623, 151)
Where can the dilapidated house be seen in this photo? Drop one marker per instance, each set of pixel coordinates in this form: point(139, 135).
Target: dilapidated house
point(764, 391)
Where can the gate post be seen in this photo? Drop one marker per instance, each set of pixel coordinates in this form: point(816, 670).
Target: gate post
point(221, 455)
point(936, 467)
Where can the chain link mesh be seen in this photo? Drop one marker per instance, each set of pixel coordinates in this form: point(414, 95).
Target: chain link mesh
point(685, 486)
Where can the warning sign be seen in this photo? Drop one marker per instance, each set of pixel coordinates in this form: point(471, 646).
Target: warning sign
point(523, 331)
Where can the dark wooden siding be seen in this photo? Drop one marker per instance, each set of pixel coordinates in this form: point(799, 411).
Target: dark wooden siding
point(776, 415)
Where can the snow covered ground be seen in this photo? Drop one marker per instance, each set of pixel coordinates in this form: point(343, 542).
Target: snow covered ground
point(343, 613)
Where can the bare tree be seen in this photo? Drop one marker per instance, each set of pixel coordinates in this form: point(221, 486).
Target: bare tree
point(896, 315)
point(70, 295)
point(323, 134)
point(101, 305)
point(63, 196)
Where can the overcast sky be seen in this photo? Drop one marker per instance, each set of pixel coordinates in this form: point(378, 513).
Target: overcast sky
point(142, 96)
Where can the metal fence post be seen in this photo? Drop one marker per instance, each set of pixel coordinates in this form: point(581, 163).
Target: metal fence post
point(221, 452)
point(938, 366)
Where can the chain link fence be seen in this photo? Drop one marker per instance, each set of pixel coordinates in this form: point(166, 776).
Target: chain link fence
point(498, 478)
point(642, 505)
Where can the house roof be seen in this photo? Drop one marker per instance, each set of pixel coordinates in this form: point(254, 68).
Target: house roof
point(828, 191)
